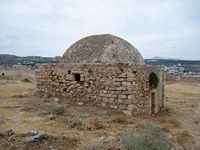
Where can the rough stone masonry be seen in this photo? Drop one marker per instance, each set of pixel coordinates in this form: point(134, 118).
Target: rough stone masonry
point(106, 71)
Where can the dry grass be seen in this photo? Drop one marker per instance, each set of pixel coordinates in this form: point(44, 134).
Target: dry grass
point(169, 120)
point(25, 95)
point(184, 104)
point(183, 90)
point(72, 142)
point(122, 119)
point(175, 123)
point(96, 124)
point(183, 137)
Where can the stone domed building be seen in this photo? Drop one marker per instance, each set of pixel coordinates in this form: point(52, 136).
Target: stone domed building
point(103, 49)
point(107, 71)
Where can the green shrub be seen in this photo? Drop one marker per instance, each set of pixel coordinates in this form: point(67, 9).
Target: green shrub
point(149, 138)
point(153, 80)
point(57, 110)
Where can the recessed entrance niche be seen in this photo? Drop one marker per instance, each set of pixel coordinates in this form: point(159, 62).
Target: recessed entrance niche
point(153, 105)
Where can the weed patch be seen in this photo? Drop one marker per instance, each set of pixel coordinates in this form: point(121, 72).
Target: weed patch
point(148, 138)
point(57, 110)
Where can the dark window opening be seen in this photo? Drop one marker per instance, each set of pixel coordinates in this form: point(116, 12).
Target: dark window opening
point(89, 70)
point(65, 89)
point(3, 74)
point(134, 72)
point(153, 105)
point(69, 71)
point(77, 77)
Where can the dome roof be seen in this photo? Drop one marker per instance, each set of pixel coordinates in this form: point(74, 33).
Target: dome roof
point(104, 48)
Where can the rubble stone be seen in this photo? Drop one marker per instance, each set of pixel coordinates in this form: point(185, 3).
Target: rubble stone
point(36, 136)
point(8, 132)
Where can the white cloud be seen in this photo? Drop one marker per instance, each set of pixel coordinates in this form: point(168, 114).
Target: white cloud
point(48, 27)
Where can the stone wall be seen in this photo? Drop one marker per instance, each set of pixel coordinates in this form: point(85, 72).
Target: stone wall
point(124, 87)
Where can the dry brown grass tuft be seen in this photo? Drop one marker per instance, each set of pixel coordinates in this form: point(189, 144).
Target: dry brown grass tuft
point(96, 124)
point(17, 96)
point(168, 120)
point(76, 123)
point(72, 142)
point(26, 95)
point(183, 137)
point(121, 119)
point(175, 123)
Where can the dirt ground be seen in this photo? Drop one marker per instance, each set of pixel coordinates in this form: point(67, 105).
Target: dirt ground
point(183, 102)
point(90, 127)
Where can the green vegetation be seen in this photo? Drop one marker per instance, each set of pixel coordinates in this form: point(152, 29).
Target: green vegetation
point(57, 110)
point(149, 138)
point(153, 80)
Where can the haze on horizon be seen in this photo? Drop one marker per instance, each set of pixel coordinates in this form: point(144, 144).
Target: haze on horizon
point(164, 28)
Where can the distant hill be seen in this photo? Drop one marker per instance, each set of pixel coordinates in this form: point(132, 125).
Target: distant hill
point(161, 58)
point(157, 57)
point(169, 62)
point(8, 60)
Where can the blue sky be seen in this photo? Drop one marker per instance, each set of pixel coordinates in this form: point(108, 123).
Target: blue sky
point(166, 28)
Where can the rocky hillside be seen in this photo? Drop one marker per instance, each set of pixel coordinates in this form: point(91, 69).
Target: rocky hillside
point(10, 60)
